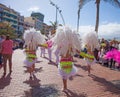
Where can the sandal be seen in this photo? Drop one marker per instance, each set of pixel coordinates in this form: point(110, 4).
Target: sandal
point(30, 77)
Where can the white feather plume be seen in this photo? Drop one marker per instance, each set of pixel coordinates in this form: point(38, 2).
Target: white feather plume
point(65, 39)
point(33, 38)
point(91, 40)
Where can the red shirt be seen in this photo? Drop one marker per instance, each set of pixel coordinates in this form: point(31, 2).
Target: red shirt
point(7, 47)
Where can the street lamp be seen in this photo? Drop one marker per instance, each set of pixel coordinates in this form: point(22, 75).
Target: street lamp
point(57, 10)
point(62, 16)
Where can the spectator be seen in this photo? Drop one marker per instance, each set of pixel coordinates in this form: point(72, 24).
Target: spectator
point(7, 51)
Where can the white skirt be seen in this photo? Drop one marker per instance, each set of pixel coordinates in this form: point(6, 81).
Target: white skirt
point(28, 63)
point(90, 62)
point(65, 75)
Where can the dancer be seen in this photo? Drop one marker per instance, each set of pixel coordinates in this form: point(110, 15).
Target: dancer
point(57, 52)
point(91, 42)
point(42, 54)
point(32, 40)
point(49, 43)
point(69, 42)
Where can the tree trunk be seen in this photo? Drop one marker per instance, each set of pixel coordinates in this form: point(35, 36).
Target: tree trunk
point(78, 20)
point(97, 15)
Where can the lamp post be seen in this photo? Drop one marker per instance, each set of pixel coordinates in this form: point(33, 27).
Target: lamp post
point(57, 10)
point(62, 17)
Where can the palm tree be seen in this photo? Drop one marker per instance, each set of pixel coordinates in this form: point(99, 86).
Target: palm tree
point(6, 28)
point(115, 3)
point(54, 24)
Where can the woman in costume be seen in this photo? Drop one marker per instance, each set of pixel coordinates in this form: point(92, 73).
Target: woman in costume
point(113, 54)
point(57, 52)
point(49, 43)
point(68, 41)
point(91, 41)
point(32, 40)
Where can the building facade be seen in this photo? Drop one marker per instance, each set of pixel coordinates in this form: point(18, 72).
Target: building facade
point(29, 22)
point(39, 19)
point(20, 25)
point(13, 17)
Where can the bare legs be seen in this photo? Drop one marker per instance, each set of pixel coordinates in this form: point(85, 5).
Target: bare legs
point(64, 84)
point(5, 58)
point(89, 68)
point(4, 64)
point(30, 70)
point(10, 63)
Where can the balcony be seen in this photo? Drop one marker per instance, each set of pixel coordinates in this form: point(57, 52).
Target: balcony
point(11, 14)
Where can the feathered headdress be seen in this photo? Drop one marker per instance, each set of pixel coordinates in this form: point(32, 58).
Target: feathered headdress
point(33, 38)
point(66, 39)
point(90, 40)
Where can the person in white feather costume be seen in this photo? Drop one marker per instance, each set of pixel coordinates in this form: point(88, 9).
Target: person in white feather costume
point(32, 40)
point(68, 42)
point(90, 40)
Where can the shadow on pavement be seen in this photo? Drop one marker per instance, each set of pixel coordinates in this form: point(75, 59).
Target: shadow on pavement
point(36, 70)
point(46, 58)
point(28, 93)
point(53, 63)
point(108, 85)
point(39, 61)
point(83, 67)
point(45, 91)
point(78, 75)
point(5, 81)
point(33, 82)
point(69, 93)
point(116, 83)
point(39, 69)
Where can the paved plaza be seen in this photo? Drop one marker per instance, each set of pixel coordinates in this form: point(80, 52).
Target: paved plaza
point(103, 82)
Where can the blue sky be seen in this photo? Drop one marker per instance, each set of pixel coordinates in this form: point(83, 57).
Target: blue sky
point(109, 15)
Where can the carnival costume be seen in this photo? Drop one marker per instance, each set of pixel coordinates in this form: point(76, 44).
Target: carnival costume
point(91, 41)
point(113, 54)
point(68, 41)
point(32, 39)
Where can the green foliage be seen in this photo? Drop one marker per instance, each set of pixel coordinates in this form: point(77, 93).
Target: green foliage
point(6, 28)
point(42, 31)
point(54, 24)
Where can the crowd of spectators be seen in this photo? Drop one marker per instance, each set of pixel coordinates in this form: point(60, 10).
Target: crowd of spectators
point(106, 46)
point(103, 48)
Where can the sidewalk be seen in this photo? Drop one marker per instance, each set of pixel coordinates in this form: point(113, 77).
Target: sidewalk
point(47, 83)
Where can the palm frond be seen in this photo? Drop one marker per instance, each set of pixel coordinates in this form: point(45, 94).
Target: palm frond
point(81, 4)
point(115, 3)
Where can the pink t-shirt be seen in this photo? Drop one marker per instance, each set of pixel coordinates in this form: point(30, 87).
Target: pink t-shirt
point(7, 47)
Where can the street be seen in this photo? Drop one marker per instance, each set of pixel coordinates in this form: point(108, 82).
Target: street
point(47, 83)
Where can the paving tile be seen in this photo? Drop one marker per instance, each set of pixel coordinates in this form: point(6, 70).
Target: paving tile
point(48, 83)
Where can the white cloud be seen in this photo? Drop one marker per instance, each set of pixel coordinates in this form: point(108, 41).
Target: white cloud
point(105, 30)
point(34, 8)
point(105, 22)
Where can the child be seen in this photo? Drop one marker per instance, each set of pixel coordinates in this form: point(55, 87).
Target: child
point(68, 42)
point(32, 39)
point(91, 42)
